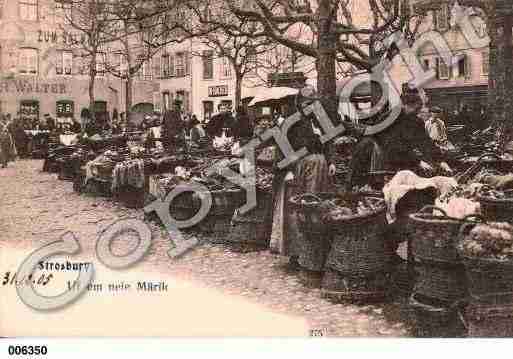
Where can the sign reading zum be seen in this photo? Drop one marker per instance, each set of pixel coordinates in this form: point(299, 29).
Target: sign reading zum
point(217, 91)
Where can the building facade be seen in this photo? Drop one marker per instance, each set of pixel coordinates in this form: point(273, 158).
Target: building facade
point(463, 85)
point(41, 72)
point(203, 81)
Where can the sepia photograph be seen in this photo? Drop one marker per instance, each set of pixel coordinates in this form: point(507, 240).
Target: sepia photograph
point(255, 169)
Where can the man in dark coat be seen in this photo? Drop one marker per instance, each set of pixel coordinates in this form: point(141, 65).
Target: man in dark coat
point(405, 145)
point(20, 137)
point(173, 128)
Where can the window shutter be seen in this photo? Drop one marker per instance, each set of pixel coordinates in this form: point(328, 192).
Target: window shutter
point(438, 68)
point(171, 65)
point(187, 56)
point(156, 67)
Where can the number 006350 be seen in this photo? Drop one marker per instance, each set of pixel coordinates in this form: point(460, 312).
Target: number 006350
point(27, 350)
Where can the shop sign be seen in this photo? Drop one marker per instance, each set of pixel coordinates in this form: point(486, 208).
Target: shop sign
point(25, 87)
point(218, 91)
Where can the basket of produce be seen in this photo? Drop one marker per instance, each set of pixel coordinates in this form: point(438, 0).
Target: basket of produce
point(430, 320)
point(487, 253)
point(357, 224)
point(434, 235)
point(488, 321)
point(497, 205)
point(314, 241)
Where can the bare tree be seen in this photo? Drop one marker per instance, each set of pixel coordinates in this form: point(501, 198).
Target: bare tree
point(335, 34)
point(89, 20)
point(129, 35)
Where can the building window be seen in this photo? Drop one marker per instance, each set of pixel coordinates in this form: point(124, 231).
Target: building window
point(156, 67)
point(29, 109)
point(100, 64)
point(464, 67)
point(441, 18)
point(180, 64)
point(168, 68)
point(208, 64)
point(442, 69)
point(28, 61)
point(28, 10)
point(486, 63)
point(147, 71)
point(64, 64)
point(251, 63)
point(62, 12)
point(226, 68)
point(166, 100)
point(226, 105)
point(64, 108)
point(208, 110)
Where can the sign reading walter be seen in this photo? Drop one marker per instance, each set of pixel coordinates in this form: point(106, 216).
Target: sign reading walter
point(26, 86)
point(217, 91)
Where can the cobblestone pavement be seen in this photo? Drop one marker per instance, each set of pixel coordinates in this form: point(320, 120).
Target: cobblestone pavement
point(36, 208)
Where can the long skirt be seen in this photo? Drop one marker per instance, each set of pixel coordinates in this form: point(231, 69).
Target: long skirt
point(311, 176)
point(7, 149)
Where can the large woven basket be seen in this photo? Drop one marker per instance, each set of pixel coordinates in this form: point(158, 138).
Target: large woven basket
point(431, 321)
point(445, 284)
point(433, 238)
point(358, 243)
point(251, 231)
point(489, 281)
point(314, 241)
point(488, 321)
point(496, 210)
point(339, 288)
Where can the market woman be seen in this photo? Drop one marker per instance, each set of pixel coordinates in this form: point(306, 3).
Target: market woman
point(311, 174)
point(7, 148)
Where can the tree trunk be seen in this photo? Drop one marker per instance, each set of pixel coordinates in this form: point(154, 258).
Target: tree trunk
point(507, 132)
point(92, 79)
point(238, 89)
point(326, 60)
point(129, 86)
point(492, 72)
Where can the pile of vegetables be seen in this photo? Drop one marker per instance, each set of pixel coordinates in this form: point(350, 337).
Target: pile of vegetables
point(339, 209)
point(490, 241)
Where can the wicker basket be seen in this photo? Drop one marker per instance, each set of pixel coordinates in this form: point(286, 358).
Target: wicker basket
point(358, 243)
point(443, 283)
point(339, 288)
point(435, 321)
point(488, 321)
point(496, 210)
point(489, 281)
point(251, 231)
point(130, 196)
point(433, 237)
point(314, 242)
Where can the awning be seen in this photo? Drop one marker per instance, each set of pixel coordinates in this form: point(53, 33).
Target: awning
point(272, 94)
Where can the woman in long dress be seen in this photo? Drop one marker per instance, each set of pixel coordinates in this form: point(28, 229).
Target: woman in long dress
point(7, 148)
point(310, 174)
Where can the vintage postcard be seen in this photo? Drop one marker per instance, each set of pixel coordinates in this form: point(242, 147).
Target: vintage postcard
point(226, 168)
